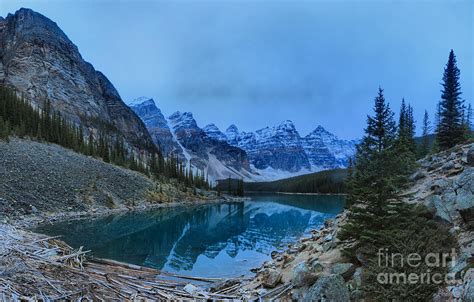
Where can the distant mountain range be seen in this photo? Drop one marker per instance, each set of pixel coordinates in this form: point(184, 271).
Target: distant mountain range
point(266, 154)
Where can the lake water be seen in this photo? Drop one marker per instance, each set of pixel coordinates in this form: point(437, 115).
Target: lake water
point(211, 240)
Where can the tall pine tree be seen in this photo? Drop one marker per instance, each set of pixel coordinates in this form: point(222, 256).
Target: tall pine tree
point(381, 167)
point(450, 130)
point(425, 139)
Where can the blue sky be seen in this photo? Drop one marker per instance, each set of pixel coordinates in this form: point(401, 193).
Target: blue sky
point(256, 63)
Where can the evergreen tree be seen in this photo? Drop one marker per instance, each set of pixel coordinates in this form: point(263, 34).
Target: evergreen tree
point(381, 128)
point(381, 168)
point(425, 143)
point(468, 119)
point(4, 130)
point(406, 128)
point(450, 130)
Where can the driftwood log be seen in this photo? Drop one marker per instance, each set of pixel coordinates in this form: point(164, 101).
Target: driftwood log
point(36, 267)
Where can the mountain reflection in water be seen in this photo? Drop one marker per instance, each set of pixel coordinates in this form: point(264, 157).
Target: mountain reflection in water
point(213, 240)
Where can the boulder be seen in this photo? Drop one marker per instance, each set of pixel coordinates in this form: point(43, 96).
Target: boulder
point(470, 156)
point(270, 277)
point(346, 270)
point(465, 179)
point(468, 295)
point(442, 209)
point(329, 237)
point(328, 288)
point(448, 166)
point(315, 266)
point(302, 275)
point(439, 185)
point(418, 175)
point(464, 199)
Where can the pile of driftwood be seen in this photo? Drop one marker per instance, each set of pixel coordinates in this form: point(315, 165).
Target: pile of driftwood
point(37, 267)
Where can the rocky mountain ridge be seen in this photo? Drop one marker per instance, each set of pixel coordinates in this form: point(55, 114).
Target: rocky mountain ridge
point(40, 62)
point(180, 136)
point(266, 154)
point(282, 147)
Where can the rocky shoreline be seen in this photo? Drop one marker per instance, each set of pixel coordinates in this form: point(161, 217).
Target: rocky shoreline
point(33, 220)
point(314, 269)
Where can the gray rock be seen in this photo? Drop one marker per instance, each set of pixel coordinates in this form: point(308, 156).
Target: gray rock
point(466, 180)
point(470, 156)
point(468, 295)
point(271, 277)
point(357, 278)
point(456, 291)
point(442, 209)
point(301, 275)
point(315, 266)
point(418, 175)
point(346, 270)
point(464, 199)
point(448, 166)
point(327, 246)
point(328, 288)
point(329, 237)
point(439, 185)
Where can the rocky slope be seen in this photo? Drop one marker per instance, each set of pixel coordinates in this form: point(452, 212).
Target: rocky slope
point(39, 60)
point(39, 177)
point(314, 269)
point(45, 181)
point(444, 183)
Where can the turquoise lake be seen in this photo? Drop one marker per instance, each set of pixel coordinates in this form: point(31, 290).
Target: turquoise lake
point(209, 240)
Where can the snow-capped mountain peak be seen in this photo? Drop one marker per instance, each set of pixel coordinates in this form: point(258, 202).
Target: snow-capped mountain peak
point(232, 134)
point(213, 132)
point(143, 100)
point(183, 120)
point(286, 125)
point(320, 131)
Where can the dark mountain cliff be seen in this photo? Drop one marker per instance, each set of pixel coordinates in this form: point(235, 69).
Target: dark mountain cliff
point(39, 61)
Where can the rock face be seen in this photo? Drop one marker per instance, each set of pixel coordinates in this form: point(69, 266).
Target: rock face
point(40, 61)
point(447, 185)
point(157, 126)
point(470, 156)
point(213, 132)
point(279, 147)
point(326, 151)
point(447, 189)
point(180, 134)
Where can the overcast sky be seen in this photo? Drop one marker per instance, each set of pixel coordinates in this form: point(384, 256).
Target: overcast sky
point(256, 63)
